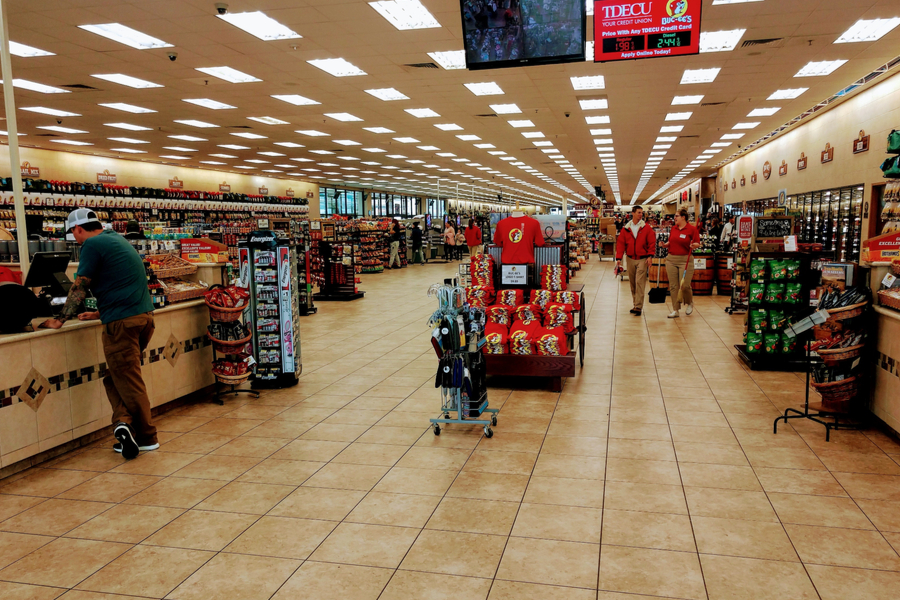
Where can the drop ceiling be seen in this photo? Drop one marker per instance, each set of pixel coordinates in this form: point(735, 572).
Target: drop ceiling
point(639, 94)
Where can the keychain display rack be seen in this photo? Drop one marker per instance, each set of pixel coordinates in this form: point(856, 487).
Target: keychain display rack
point(462, 372)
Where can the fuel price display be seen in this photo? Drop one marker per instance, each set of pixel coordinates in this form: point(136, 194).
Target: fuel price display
point(647, 29)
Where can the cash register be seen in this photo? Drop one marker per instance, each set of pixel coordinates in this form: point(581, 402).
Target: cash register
point(48, 272)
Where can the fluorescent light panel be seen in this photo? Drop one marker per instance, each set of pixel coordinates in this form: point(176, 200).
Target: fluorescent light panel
point(208, 103)
point(17, 49)
point(128, 126)
point(484, 89)
point(268, 120)
point(820, 68)
point(720, 41)
point(127, 80)
point(49, 111)
point(228, 74)
point(422, 113)
point(788, 94)
point(868, 30)
point(691, 76)
point(764, 112)
point(405, 14)
point(37, 87)
point(379, 129)
point(505, 109)
point(259, 24)
point(594, 104)
point(343, 117)
point(453, 59)
point(387, 94)
point(249, 136)
point(126, 140)
point(195, 123)
point(126, 35)
point(448, 127)
point(337, 67)
point(589, 82)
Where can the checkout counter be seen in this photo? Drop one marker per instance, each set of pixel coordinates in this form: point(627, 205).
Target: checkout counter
point(51, 389)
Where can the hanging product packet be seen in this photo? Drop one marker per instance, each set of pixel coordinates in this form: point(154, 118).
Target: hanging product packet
point(792, 267)
point(499, 314)
point(754, 343)
point(772, 343)
point(479, 296)
point(521, 336)
point(775, 293)
point(559, 315)
point(553, 277)
point(777, 270)
point(482, 270)
point(776, 320)
point(793, 293)
point(573, 298)
point(541, 297)
point(757, 293)
point(511, 298)
point(788, 344)
point(528, 312)
point(496, 339)
point(757, 269)
point(551, 341)
point(757, 320)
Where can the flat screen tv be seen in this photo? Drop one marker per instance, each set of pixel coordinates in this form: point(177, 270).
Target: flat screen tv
point(516, 33)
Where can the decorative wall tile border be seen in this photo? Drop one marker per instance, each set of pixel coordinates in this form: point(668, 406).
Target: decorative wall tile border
point(78, 377)
point(886, 363)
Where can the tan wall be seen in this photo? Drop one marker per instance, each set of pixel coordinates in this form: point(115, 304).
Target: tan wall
point(875, 110)
point(70, 166)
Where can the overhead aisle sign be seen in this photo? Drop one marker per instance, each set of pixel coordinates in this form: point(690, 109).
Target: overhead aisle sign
point(626, 30)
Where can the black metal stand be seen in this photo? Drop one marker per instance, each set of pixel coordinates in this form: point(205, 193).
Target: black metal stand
point(793, 413)
point(220, 394)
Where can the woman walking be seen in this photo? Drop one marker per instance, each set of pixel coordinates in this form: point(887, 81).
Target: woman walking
point(396, 236)
point(449, 242)
point(683, 240)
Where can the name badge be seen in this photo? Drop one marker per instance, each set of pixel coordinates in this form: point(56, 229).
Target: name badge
point(683, 236)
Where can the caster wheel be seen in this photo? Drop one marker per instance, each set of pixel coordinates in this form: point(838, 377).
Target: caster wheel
point(437, 429)
point(488, 432)
point(494, 420)
point(446, 415)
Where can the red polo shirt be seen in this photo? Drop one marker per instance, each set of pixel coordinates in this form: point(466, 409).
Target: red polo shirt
point(518, 237)
point(680, 240)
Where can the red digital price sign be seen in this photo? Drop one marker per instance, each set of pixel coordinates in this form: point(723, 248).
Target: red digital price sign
point(626, 30)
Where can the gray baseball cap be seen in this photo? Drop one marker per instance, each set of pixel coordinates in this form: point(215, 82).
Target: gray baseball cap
point(81, 216)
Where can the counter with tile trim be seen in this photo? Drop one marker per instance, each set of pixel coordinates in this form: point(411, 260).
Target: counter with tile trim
point(72, 362)
point(885, 391)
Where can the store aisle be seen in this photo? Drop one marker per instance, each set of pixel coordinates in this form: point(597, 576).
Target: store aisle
point(654, 473)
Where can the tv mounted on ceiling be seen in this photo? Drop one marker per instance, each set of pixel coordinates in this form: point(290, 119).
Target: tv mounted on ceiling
point(517, 33)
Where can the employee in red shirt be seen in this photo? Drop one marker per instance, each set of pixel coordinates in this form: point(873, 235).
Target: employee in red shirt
point(638, 242)
point(683, 240)
point(473, 238)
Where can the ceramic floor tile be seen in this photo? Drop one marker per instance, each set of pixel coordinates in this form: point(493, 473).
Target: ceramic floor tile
point(512, 463)
point(648, 530)
point(202, 530)
point(434, 458)
point(563, 491)
point(110, 487)
point(371, 454)
point(195, 443)
point(747, 539)
point(63, 562)
point(751, 579)
point(642, 471)
point(160, 464)
point(46, 482)
point(884, 514)
point(490, 517)
point(347, 476)
point(719, 476)
point(455, 553)
point(174, 492)
point(402, 510)
point(237, 577)
point(646, 497)
point(21, 591)
point(838, 583)
point(432, 586)
point(324, 581)
point(564, 523)
point(550, 562)
point(54, 517)
point(127, 523)
point(220, 468)
point(516, 590)
point(366, 545)
point(282, 537)
point(318, 503)
point(826, 511)
point(14, 546)
point(146, 570)
point(793, 481)
point(730, 504)
point(843, 547)
point(870, 487)
point(488, 486)
point(310, 450)
point(250, 498)
point(651, 572)
point(287, 472)
point(573, 467)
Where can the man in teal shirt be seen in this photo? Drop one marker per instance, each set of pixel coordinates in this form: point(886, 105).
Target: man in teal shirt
point(115, 274)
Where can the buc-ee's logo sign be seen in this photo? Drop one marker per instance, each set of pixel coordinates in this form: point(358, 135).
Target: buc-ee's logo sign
point(677, 11)
point(638, 9)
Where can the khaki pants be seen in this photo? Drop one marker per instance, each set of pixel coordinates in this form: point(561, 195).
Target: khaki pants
point(675, 267)
point(473, 250)
point(637, 277)
point(123, 343)
point(395, 254)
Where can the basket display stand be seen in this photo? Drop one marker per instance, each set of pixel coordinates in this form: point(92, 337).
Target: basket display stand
point(230, 351)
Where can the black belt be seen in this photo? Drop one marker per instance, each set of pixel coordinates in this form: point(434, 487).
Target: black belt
point(640, 257)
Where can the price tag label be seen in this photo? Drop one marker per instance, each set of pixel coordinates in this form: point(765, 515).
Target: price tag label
point(514, 274)
point(700, 264)
point(730, 263)
point(888, 280)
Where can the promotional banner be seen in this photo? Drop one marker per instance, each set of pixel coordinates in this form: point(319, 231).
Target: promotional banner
point(648, 29)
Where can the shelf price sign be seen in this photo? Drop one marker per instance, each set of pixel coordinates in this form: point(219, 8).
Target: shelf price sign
point(625, 30)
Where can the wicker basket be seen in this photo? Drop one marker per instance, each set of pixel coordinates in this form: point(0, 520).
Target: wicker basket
point(895, 267)
point(836, 355)
point(186, 295)
point(825, 333)
point(233, 379)
point(229, 347)
point(837, 391)
point(225, 315)
point(847, 312)
point(888, 300)
point(185, 269)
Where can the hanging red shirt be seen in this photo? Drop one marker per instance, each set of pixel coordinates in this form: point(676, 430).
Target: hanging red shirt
point(518, 237)
point(680, 240)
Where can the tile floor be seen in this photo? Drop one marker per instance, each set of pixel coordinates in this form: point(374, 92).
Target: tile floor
point(654, 474)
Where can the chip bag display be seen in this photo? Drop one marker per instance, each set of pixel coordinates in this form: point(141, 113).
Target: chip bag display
point(482, 270)
point(522, 335)
point(757, 269)
point(479, 296)
point(793, 293)
point(777, 270)
point(776, 320)
point(559, 315)
point(757, 320)
point(775, 293)
point(511, 298)
point(788, 344)
point(757, 293)
point(772, 343)
point(792, 268)
point(551, 341)
point(496, 339)
point(573, 298)
point(499, 314)
point(541, 297)
point(553, 277)
point(528, 312)
point(754, 343)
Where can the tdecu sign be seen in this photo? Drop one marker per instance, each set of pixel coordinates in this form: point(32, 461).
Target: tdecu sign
point(618, 11)
point(648, 29)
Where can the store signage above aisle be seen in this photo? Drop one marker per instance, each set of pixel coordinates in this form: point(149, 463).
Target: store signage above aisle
point(224, 188)
point(289, 193)
point(176, 184)
point(753, 178)
point(29, 171)
point(106, 177)
point(801, 163)
point(861, 144)
point(263, 191)
point(648, 29)
point(743, 181)
point(827, 154)
point(745, 230)
point(783, 169)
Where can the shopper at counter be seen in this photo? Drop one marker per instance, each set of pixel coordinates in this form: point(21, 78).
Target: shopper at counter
point(473, 238)
point(111, 268)
point(637, 242)
point(449, 242)
point(683, 240)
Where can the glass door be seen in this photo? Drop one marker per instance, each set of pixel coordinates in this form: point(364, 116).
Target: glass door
point(815, 218)
point(855, 222)
point(844, 232)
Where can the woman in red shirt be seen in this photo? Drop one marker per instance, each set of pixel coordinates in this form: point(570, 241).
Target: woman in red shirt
point(683, 240)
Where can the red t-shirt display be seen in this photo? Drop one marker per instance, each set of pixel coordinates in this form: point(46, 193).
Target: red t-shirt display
point(680, 240)
point(518, 237)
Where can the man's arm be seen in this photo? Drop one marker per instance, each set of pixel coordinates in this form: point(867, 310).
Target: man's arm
point(77, 294)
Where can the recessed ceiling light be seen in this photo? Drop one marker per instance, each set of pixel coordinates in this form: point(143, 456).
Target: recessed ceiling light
point(50, 111)
point(684, 100)
point(260, 25)
point(448, 127)
point(37, 87)
point(484, 89)
point(469, 137)
point(128, 126)
point(405, 14)
point(244, 167)
point(311, 133)
point(422, 113)
point(228, 74)
point(126, 35)
point(174, 157)
point(289, 144)
point(127, 80)
point(257, 161)
point(379, 129)
point(590, 82)
point(343, 117)
point(543, 144)
point(428, 148)
point(764, 112)
point(71, 142)
point(746, 125)
point(661, 146)
point(396, 156)
point(249, 136)
point(868, 30)
point(268, 120)
point(211, 162)
point(321, 152)
point(532, 134)
point(127, 140)
point(128, 151)
point(699, 75)
point(595, 104)
point(208, 103)
point(374, 150)
point(233, 147)
point(295, 99)
point(820, 68)
point(302, 159)
point(406, 140)
point(720, 41)
point(270, 153)
point(600, 142)
point(195, 123)
point(671, 129)
point(188, 138)
point(337, 67)
point(597, 120)
point(666, 139)
point(720, 144)
point(521, 123)
point(495, 153)
point(484, 146)
point(789, 94)
point(682, 116)
point(387, 94)
point(454, 59)
point(505, 109)
point(732, 136)
point(223, 155)
point(130, 108)
point(346, 143)
point(17, 49)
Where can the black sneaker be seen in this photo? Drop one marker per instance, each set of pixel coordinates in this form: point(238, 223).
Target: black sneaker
point(118, 448)
point(123, 433)
point(634, 311)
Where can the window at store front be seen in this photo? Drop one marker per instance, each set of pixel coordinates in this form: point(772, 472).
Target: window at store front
point(394, 205)
point(335, 201)
point(436, 207)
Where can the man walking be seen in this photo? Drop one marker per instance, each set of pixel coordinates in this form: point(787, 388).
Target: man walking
point(114, 272)
point(416, 235)
point(473, 238)
point(396, 236)
point(638, 242)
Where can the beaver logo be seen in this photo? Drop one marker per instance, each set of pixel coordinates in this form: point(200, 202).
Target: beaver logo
point(515, 236)
point(519, 335)
point(494, 338)
point(676, 8)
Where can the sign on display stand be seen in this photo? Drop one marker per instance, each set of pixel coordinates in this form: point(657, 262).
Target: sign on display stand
point(625, 30)
point(745, 230)
point(514, 274)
